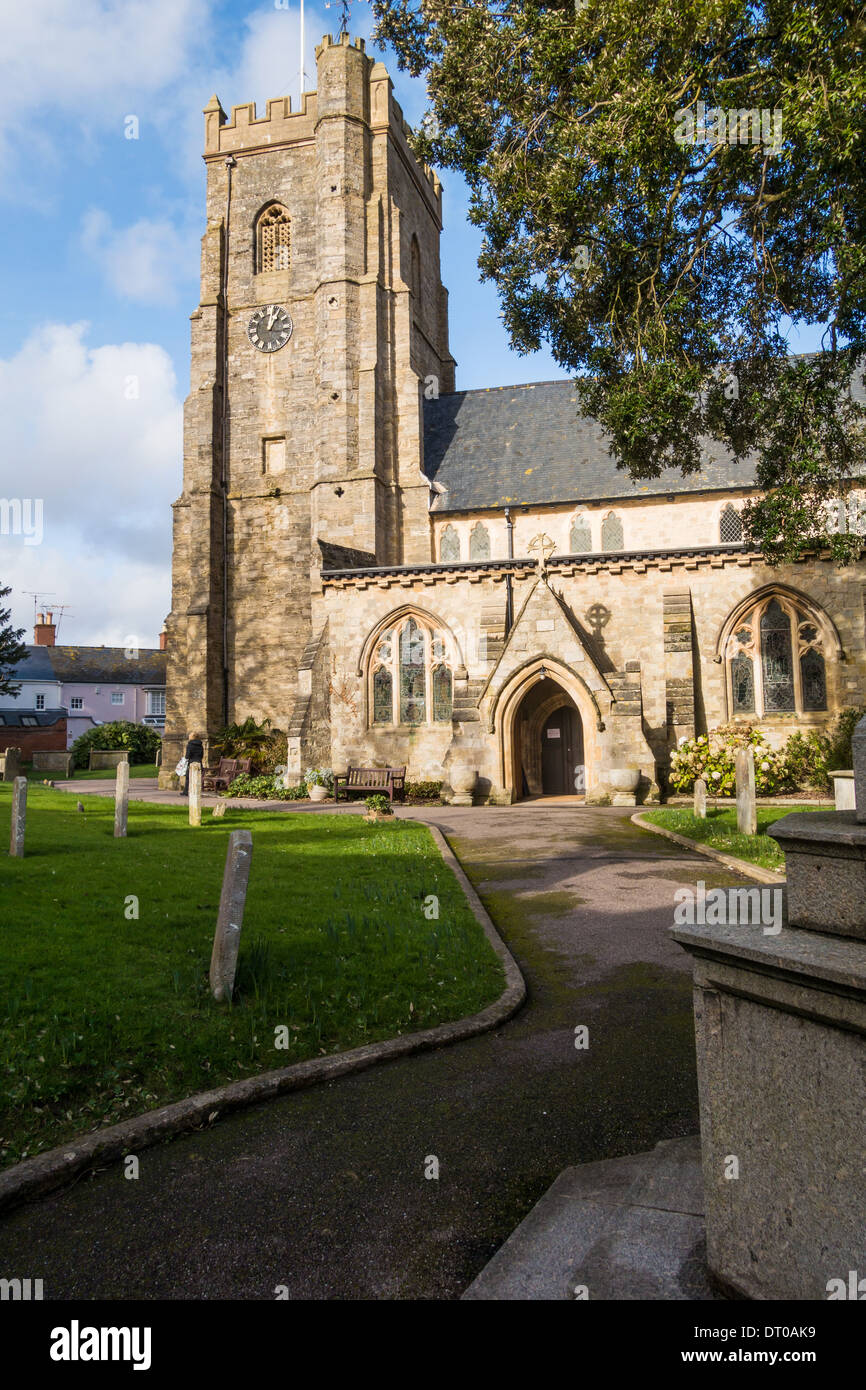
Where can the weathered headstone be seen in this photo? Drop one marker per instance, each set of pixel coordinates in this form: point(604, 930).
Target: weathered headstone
point(195, 793)
point(858, 744)
point(19, 816)
point(701, 798)
point(747, 811)
point(227, 937)
point(219, 810)
point(121, 800)
point(12, 765)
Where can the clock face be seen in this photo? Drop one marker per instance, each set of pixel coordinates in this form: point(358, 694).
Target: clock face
point(270, 328)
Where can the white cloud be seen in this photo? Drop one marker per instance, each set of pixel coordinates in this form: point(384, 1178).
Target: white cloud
point(96, 434)
point(142, 262)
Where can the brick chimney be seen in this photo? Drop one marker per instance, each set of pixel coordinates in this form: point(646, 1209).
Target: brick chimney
point(44, 630)
point(163, 638)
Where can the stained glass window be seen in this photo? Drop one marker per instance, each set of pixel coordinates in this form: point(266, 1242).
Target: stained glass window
point(611, 533)
point(814, 680)
point(441, 694)
point(580, 540)
point(479, 543)
point(383, 700)
point(449, 546)
point(743, 681)
point(777, 660)
point(413, 700)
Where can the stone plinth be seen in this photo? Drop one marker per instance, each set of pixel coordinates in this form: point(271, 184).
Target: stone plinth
point(825, 855)
point(780, 1025)
point(843, 790)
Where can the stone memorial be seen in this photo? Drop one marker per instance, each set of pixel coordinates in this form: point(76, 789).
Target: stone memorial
point(858, 745)
point(747, 810)
point(19, 817)
point(227, 936)
point(12, 764)
point(195, 793)
point(49, 760)
point(121, 800)
point(701, 798)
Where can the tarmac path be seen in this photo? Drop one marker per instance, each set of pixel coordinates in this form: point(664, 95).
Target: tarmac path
point(324, 1191)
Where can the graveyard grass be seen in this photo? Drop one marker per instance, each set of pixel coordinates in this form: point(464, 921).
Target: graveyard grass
point(105, 1016)
point(719, 831)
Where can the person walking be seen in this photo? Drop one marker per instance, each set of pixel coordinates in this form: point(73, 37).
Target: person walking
point(194, 754)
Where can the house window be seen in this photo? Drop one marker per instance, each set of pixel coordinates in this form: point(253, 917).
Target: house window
point(411, 681)
point(479, 542)
point(611, 533)
point(156, 702)
point(29, 721)
point(449, 546)
point(40, 701)
point(580, 537)
point(776, 661)
point(273, 239)
point(117, 697)
point(76, 702)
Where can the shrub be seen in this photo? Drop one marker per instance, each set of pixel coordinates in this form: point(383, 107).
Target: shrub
point(806, 759)
point(379, 803)
point(264, 746)
point(711, 756)
point(319, 777)
point(141, 742)
point(839, 753)
point(264, 787)
point(423, 791)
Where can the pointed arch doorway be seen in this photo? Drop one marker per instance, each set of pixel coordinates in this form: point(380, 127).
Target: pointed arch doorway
point(548, 744)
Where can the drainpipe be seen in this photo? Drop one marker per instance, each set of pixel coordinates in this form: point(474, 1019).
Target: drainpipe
point(509, 598)
point(224, 408)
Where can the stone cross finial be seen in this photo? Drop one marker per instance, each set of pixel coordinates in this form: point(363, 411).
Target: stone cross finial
point(545, 547)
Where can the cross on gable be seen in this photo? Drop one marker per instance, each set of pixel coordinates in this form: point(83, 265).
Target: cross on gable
point(545, 547)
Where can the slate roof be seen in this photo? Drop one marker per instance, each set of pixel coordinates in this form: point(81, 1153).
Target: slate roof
point(526, 445)
point(93, 666)
point(11, 718)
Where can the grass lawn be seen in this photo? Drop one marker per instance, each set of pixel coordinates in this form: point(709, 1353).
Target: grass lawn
point(40, 774)
point(719, 831)
point(106, 1015)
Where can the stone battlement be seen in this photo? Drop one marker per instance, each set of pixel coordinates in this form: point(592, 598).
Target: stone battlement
point(369, 99)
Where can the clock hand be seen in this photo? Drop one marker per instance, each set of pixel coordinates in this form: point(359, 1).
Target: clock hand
point(272, 317)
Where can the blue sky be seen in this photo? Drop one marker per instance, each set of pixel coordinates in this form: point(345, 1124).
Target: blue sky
point(99, 238)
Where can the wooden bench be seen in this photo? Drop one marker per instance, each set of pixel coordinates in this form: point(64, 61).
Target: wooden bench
point(390, 781)
point(225, 774)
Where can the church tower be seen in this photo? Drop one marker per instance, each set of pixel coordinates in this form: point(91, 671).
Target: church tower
point(322, 316)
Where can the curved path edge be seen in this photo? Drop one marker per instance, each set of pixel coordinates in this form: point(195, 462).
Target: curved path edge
point(740, 866)
point(59, 1166)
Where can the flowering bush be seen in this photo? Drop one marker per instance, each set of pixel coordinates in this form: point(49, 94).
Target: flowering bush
point(711, 756)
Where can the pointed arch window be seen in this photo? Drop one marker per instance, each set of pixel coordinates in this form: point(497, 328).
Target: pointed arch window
point(411, 680)
point(611, 533)
point(415, 271)
point(730, 526)
point(776, 661)
point(273, 239)
point(479, 542)
point(580, 536)
point(449, 545)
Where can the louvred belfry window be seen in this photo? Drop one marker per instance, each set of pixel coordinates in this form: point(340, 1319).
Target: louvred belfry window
point(274, 240)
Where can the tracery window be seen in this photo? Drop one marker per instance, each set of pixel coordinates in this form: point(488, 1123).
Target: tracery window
point(776, 661)
point(611, 533)
point(479, 542)
point(411, 680)
point(274, 239)
point(449, 546)
point(580, 536)
point(730, 526)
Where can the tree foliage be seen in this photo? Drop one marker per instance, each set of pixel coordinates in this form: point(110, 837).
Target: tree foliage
point(12, 650)
point(663, 249)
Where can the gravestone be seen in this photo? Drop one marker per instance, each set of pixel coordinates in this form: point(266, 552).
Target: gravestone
point(101, 758)
point(19, 816)
point(49, 760)
point(701, 798)
point(747, 811)
point(858, 744)
point(121, 800)
point(195, 793)
point(227, 937)
point(12, 765)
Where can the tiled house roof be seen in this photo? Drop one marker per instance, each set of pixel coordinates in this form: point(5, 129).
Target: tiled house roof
point(527, 445)
point(93, 666)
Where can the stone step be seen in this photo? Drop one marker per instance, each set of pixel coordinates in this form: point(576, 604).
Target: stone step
point(622, 1228)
